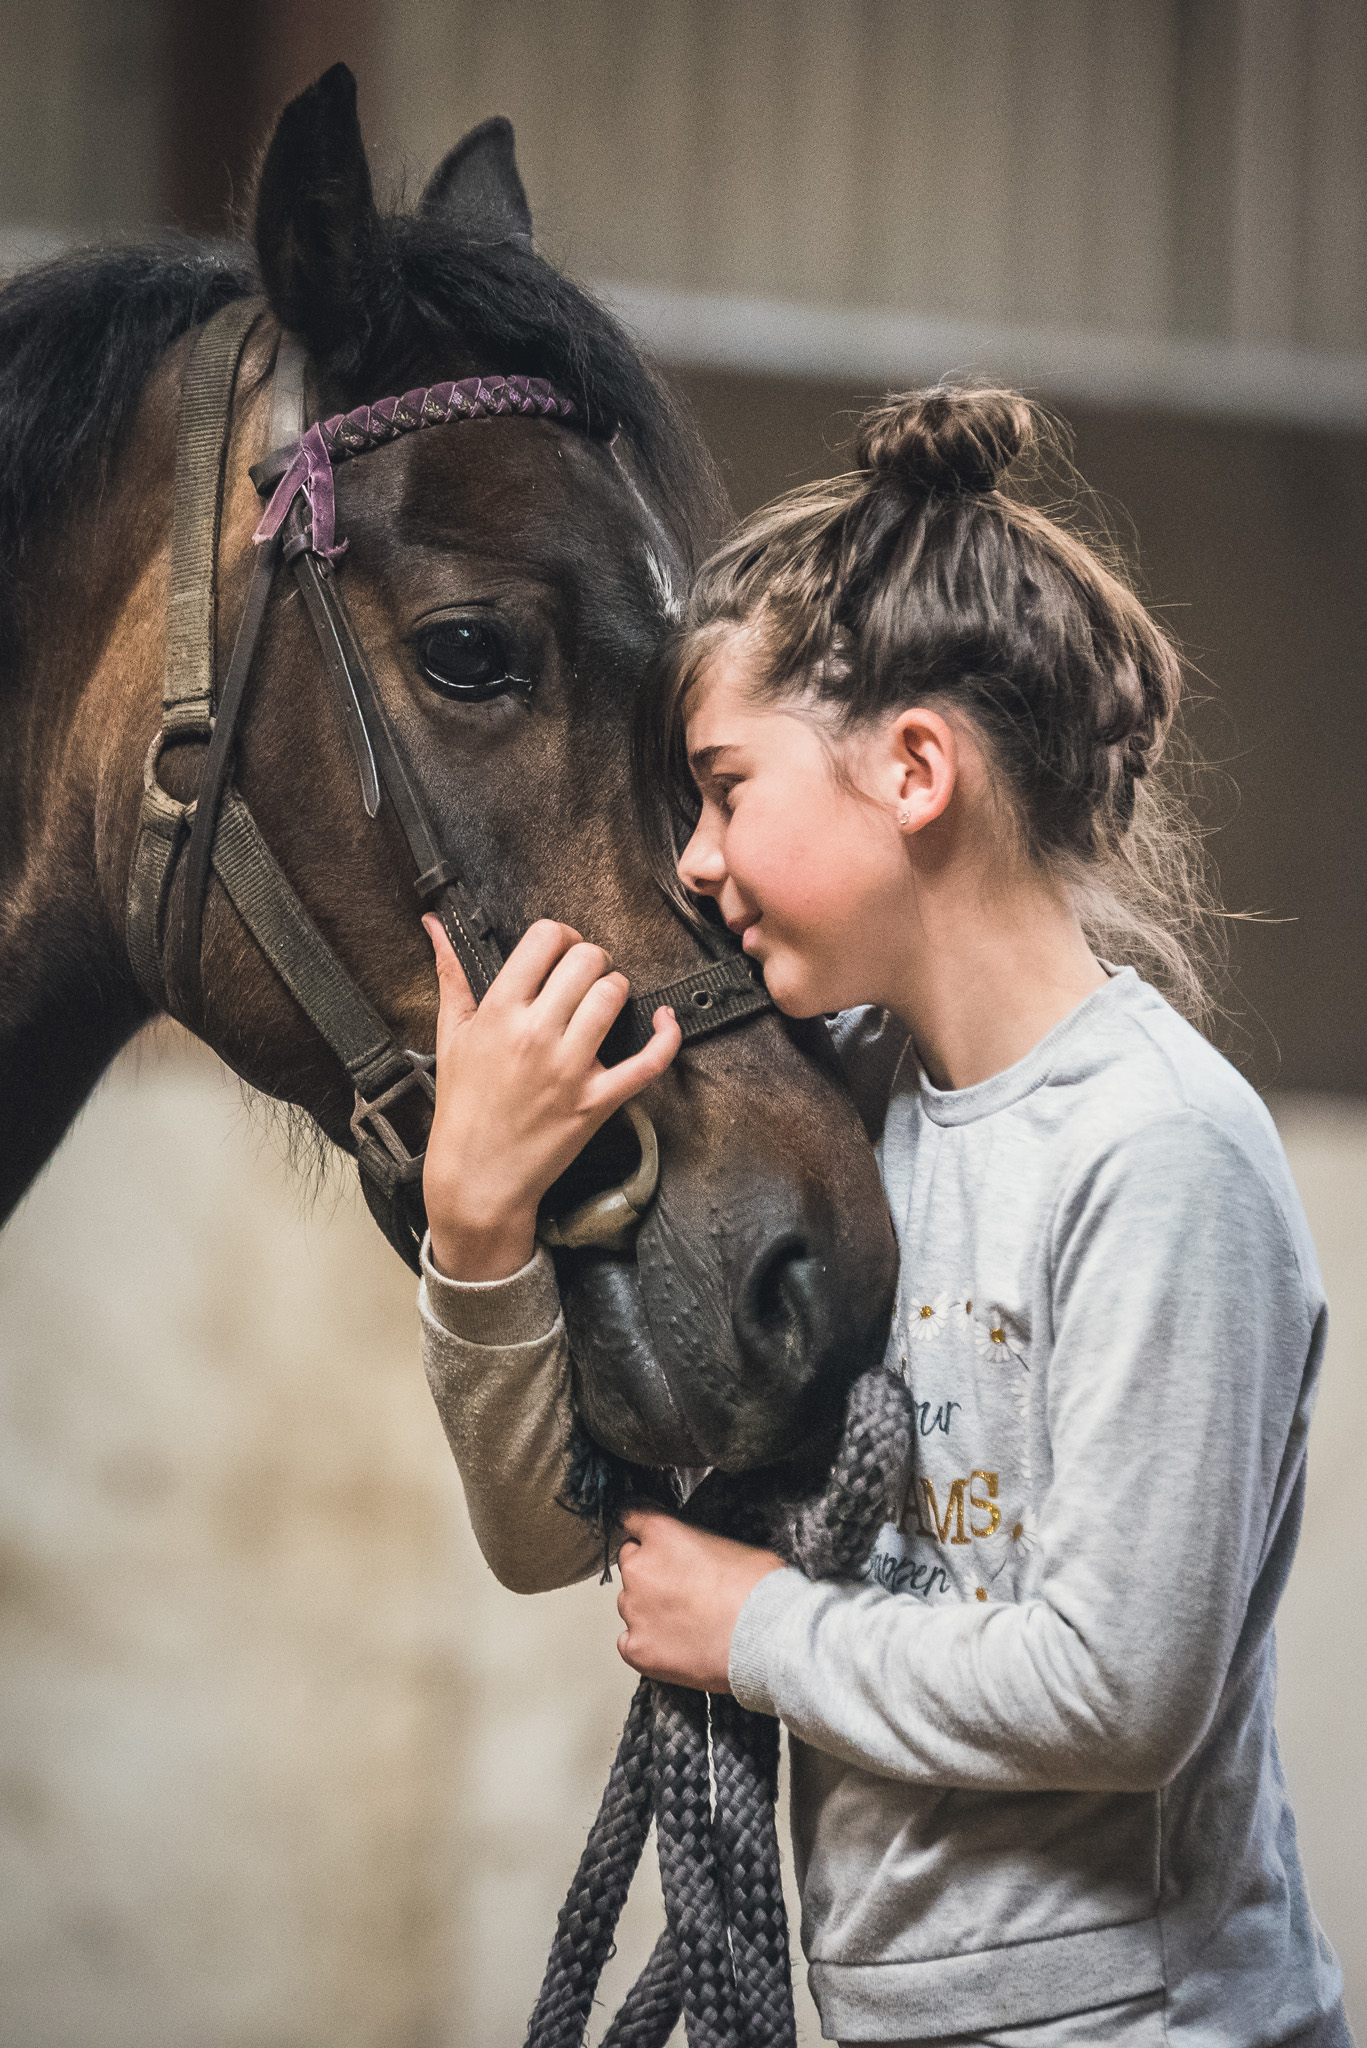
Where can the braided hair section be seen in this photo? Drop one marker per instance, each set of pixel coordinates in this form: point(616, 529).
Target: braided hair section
point(962, 566)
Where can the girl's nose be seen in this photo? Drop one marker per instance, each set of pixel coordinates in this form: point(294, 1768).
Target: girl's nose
point(701, 867)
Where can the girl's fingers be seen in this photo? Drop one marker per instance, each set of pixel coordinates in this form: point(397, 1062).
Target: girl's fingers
point(569, 981)
point(456, 1001)
point(599, 1008)
point(533, 958)
point(616, 1085)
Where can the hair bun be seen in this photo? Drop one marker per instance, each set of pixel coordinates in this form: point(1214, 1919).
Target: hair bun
point(946, 439)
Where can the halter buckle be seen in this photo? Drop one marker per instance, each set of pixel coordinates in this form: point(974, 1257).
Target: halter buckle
point(373, 1128)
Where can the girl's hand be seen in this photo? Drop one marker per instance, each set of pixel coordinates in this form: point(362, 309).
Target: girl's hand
point(682, 1593)
point(520, 1091)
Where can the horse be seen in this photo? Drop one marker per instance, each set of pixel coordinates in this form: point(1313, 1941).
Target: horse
point(509, 582)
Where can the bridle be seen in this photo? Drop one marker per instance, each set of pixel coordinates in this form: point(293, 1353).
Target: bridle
point(217, 834)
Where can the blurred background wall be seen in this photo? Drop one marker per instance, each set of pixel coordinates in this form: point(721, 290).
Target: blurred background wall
point(279, 1763)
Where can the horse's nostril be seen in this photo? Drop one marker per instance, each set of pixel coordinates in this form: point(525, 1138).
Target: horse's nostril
point(776, 1312)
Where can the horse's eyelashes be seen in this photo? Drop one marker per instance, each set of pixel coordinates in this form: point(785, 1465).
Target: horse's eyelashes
point(465, 658)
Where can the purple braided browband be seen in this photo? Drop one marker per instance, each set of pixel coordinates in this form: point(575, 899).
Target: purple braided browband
point(370, 426)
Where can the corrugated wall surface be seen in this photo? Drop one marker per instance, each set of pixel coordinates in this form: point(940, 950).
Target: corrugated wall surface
point(1158, 167)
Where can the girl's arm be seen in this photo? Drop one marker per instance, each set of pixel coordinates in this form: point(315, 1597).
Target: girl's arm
point(1180, 1385)
point(520, 1091)
point(494, 1348)
point(498, 1364)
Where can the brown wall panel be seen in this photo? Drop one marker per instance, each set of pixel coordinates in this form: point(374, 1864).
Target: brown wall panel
point(230, 67)
point(1251, 540)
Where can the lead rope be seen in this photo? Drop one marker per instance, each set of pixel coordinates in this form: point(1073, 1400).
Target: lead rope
point(723, 1959)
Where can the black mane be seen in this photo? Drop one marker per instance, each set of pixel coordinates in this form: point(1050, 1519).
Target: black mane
point(78, 339)
point(80, 336)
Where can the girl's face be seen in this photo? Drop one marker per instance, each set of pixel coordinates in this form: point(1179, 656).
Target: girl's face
point(807, 866)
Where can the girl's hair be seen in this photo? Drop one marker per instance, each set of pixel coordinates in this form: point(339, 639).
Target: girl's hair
point(920, 578)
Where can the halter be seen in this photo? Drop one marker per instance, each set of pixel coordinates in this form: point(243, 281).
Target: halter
point(217, 831)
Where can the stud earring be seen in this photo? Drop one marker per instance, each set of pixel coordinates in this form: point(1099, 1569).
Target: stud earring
point(904, 816)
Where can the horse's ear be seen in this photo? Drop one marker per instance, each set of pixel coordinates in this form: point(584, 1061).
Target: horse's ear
point(477, 188)
point(315, 212)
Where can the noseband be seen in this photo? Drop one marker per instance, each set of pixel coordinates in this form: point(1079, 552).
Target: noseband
point(217, 832)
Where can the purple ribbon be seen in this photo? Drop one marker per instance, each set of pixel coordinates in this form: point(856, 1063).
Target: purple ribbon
point(370, 426)
point(311, 473)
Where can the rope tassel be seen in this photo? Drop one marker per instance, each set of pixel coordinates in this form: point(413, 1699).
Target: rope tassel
point(723, 1959)
point(651, 2011)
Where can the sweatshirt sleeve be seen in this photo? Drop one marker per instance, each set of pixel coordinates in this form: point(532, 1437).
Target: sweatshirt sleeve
point(1185, 1337)
point(498, 1363)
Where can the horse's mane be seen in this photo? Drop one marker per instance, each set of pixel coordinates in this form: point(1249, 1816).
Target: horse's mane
point(79, 337)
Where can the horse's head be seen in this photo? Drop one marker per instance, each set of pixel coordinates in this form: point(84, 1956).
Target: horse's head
point(510, 581)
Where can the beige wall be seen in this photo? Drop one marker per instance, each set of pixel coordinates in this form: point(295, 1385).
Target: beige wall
point(279, 1761)
point(1149, 167)
point(80, 114)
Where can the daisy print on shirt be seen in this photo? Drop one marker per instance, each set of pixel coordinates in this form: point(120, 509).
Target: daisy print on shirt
point(928, 1317)
point(993, 1339)
point(986, 1324)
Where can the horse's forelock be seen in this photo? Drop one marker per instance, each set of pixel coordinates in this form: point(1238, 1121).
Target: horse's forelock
point(431, 301)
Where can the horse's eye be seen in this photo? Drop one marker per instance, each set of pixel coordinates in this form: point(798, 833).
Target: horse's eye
point(464, 658)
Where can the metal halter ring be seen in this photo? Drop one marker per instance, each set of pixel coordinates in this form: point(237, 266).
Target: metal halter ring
point(609, 1220)
point(151, 783)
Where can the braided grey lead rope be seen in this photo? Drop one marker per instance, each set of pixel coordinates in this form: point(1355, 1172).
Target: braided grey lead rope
point(745, 1762)
point(695, 1902)
point(650, 2014)
point(723, 1959)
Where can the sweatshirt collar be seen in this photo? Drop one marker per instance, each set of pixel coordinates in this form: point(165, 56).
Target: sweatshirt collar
point(1001, 1091)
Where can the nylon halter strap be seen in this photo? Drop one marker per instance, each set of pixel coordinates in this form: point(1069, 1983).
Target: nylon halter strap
point(216, 828)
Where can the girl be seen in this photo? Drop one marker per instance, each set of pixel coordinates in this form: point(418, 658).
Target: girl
point(1035, 1789)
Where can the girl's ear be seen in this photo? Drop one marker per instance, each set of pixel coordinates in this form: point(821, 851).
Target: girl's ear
point(924, 765)
point(315, 215)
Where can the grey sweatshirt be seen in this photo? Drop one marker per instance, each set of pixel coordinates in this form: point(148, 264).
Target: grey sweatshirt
point(1034, 1768)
